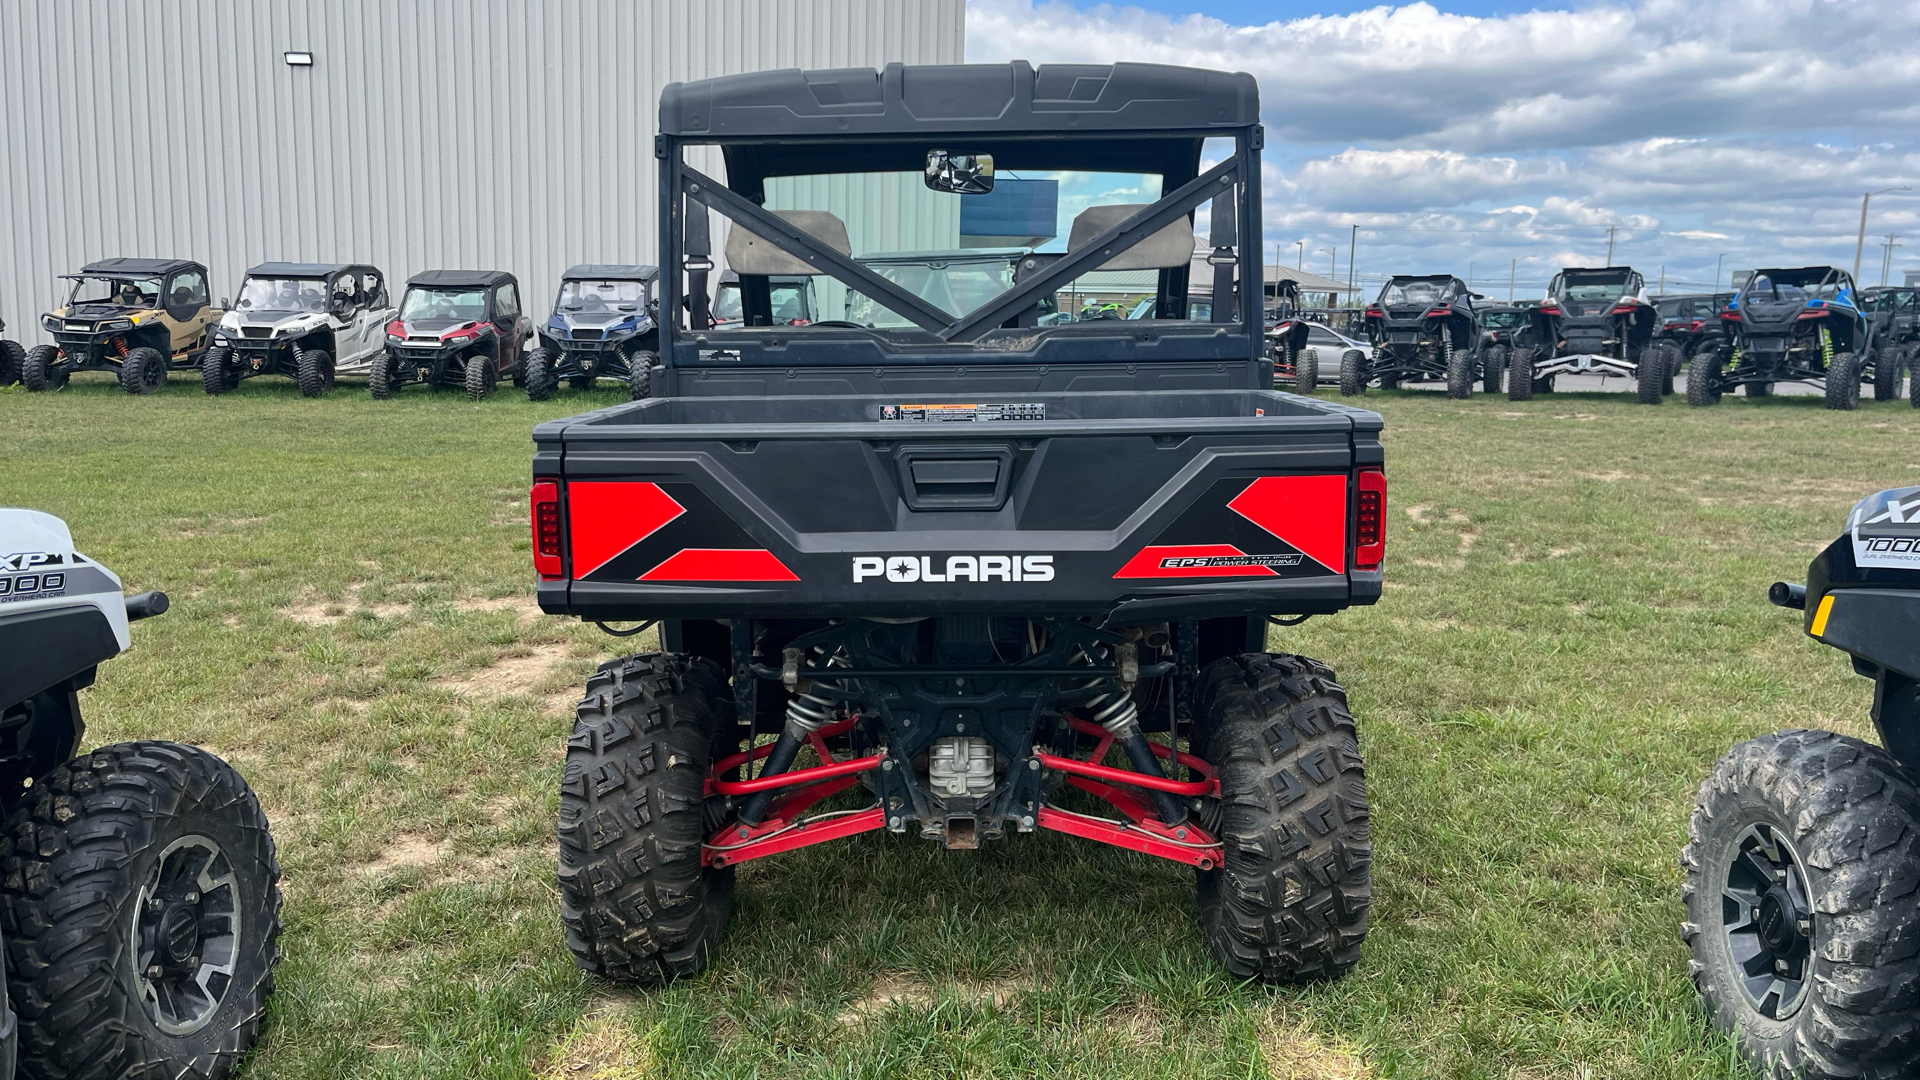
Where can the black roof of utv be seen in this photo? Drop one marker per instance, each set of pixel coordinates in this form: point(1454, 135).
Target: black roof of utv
point(975, 98)
point(610, 272)
point(299, 270)
point(456, 279)
point(137, 266)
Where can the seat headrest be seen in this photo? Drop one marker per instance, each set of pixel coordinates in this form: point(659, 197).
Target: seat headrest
point(1170, 247)
point(748, 253)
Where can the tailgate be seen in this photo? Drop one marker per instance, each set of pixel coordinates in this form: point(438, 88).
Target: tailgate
point(1176, 504)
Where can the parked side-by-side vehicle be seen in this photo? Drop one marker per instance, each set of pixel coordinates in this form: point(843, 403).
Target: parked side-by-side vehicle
point(456, 328)
point(1423, 328)
point(307, 321)
point(1893, 312)
point(1594, 321)
point(1785, 325)
point(136, 318)
point(602, 327)
point(934, 562)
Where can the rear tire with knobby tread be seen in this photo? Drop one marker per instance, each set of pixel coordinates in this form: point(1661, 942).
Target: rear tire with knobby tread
point(1520, 376)
point(1703, 379)
point(1459, 368)
point(1886, 373)
point(637, 904)
point(1843, 382)
point(1852, 814)
point(1306, 371)
point(1353, 373)
point(1493, 368)
point(84, 840)
point(1651, 374)
point(1291, 903)
point(640, 374)
point(380, 381)
point(215, 376)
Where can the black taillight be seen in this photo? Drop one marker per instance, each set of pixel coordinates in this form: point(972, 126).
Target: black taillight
point(1370, 522)
point(546, 529)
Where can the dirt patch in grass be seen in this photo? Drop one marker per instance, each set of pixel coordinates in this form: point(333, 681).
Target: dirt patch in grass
point(408, 850)
point(1292, 1052)
point(523, 606)
point(904, 989)
point(510, 675)
point(600, 1047)
point(314, 611)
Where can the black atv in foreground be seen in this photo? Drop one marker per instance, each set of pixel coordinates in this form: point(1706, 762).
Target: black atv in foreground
point(1894, 313)
point(139, 896)
point(1422, 329)
point(1593, 322)
point(601, 328)
point(1789, 325)
point(1803, 855)
point(977, 576)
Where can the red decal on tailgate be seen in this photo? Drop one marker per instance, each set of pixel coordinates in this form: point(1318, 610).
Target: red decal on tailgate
point(1196, 560)
point(1308, 512)
point(715, 564)
point(608, 517)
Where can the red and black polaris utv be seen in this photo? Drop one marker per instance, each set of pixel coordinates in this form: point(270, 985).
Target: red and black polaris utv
point(1593, 322)
point(1803, 855)
point(1803, 325)
point(1422, 328)
point(456, 328)
point(956, 567)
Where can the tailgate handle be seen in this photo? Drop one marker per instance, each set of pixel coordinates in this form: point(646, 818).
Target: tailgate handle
point(958, 478)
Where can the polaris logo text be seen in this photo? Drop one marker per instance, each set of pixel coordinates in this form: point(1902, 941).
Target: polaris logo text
point(905, 568)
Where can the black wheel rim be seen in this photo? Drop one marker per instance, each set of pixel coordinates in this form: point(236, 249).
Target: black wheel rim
point(1767, 918)
point(186, 934)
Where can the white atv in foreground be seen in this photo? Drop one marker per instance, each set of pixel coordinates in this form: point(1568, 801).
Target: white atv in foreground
point(139, 897)
point(308, 321)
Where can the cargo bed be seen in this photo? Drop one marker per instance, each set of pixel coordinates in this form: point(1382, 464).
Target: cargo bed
point(1177, 504)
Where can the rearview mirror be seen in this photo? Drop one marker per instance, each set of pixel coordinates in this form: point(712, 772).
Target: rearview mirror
point(960, 174)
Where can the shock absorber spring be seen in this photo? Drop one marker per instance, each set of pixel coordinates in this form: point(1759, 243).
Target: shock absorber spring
point(1826, 347)
point(807, 712)
point(120, 347)
point(1116, 711)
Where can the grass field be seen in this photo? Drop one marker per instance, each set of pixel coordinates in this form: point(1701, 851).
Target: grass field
point(1574, 628)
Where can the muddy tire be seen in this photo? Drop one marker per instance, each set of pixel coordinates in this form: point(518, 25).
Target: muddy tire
point(313, 370)
point(13, 356)
point(640, 374)
point(1800, 906)
point(143, 371)
point(1520, 376)
point(160, 847)
point(1353, 373)
point(1306, 371)
point(1459, 364)
point(478, 376)
point(1651, 375)
point(1290, 905)
point(1703, 378)
point(216, 377)
point(40, 372)
point(1843, 382)
point(637, 904)
point(536, 377)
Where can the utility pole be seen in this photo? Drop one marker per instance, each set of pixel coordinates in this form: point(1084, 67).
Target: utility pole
point(1861, 243)
point(1352, 281)
point(1469, 275)
point(1512, 269)
point(1301, 262)
point(1663, 279)
point(1717, 263)
point(1886, 258)
point(1610, 229)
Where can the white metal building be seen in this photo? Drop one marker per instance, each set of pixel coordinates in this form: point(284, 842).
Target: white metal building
point(424, 134)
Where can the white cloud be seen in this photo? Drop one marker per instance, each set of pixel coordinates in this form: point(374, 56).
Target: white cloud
point(1744, 126)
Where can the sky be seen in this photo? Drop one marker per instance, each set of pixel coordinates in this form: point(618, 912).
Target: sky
point(1494, 138)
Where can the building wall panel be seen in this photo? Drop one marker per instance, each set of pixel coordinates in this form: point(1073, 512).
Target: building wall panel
point(508, 134)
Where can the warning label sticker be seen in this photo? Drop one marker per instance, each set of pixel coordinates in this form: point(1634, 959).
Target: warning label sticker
point(948, 414)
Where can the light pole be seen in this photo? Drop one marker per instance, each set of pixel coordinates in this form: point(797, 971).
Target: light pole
point(1717, 263)
point(1352, 242)
point(1333, 266)
point(1301, 262)
point(1861, 243)
point(1513, 269)
point(1886, 257)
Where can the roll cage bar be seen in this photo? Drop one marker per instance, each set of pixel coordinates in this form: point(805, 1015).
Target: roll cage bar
point(687, 248)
